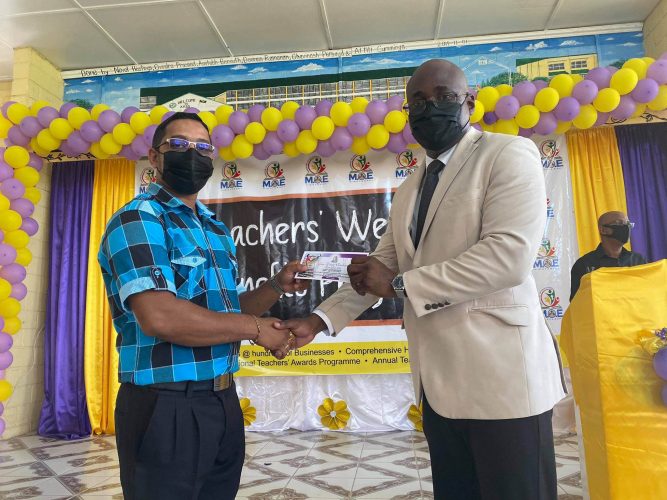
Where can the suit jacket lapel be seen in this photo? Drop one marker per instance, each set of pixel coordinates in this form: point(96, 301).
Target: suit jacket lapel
point(406, 217)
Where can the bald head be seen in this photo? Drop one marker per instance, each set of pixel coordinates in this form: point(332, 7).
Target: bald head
point(436, 75)
point(612, 218)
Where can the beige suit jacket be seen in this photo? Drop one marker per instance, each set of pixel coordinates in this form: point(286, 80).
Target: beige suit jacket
point(479, 346)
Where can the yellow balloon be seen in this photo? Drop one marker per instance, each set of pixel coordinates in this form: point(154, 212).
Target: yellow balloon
point(97, 151)
point(209, 119)
point(97, 111)
point(46, 141)
point(17, 112)
point(322, 128)
point(5, 289)
point(109, 145)
point(306, 142)
point(157, 113)
point(527, 116)
point(226, 154)
point(488, 96)
point(395, 121)
point(271, 118)
point(290, 149)
point(10, 307)
point(487, 128)
point(123, 134)
point(17, 156)
point(28, 176)
point(36, 106)
point(624, 81)
point(377, 137)
point(23, 257)
point(288, 109)
point(586, 118)
point(504, 89)
point(10, 221)
point(340, 113)
point(660, 102)
point(639, 110)
point(562, 127)
point(648, 61)
point(222, 113)
point(546, 99)
point(17, 239)
point(78, 116)
point(607, 100)
point(576, 78)
point(12, 326)
point(139, 121)
point(255, 132)
point(60, 128)
point(360, 146)
point(477, 113)
point(359, 104)
point(637, 65)
point(509, 127)
point(563, 84)
point(32, 194)
point(6, 389)
point(5, 125)
point(34, 145)
point(4, 203)
point(241, 146)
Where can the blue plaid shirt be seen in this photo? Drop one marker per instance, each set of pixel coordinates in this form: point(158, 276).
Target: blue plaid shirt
point(156, 242)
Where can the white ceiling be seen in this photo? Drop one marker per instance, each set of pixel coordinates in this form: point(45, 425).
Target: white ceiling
point(75, 34)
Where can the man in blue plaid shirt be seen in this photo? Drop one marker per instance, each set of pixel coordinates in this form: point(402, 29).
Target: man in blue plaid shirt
point(170, 273)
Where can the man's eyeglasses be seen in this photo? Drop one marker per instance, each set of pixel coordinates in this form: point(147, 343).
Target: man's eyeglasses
point(182, 145)
point(626, 223)
point(419, 107)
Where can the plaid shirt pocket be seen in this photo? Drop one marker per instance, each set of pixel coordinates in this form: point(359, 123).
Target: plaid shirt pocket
point(188, 264)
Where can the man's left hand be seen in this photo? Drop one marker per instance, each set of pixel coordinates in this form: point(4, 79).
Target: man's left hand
point(286, 277)
point(369, 275)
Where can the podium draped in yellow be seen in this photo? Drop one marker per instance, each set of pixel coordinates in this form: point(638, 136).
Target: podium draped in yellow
point(112, 188)
point(618, 393)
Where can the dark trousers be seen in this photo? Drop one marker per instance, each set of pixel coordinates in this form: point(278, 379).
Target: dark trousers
point(510, 459)
point(179, 445)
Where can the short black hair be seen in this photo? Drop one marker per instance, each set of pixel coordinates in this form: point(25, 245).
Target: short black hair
point(161, 129)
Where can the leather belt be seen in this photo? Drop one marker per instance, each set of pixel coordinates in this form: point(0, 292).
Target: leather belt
point(219, 383)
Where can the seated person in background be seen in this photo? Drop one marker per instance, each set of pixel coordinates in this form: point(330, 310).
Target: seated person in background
point(614, 230)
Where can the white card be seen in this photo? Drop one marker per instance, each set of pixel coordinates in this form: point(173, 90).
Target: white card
point(330, 266)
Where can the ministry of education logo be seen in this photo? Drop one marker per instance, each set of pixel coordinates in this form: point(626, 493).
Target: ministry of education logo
point(146, 178)
point(316, 171)
point(551, 157)
point(360, 169)
point(231, 176)
point(407, 164)
point(550, 303)
point(274, 176)
point(546, 256)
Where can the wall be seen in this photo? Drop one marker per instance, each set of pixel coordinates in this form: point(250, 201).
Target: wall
point(655, 31)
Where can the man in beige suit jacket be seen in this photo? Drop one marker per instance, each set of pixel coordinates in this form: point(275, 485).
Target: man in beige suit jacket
point(463, 233)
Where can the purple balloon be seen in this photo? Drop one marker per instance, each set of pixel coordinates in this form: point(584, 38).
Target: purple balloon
point(222, 136)
point(192, 110)
point(660, 363)
point(658, 71)
point(36, 161)
point(539, 85)
point(6, 340)
point(108, 119)
point(5, 106)
point(30, 126)
point(30, 226)
point(77, 143)
point(67, 150)
point(601, 77)
point(6, 172)
point(567, 109)
point(19, 291)
point(168, 114)
point(341, 139)
point(525, 92)
point(14, 273)
point(255, 112)
point(325, 148)
point(272, 144)
point(17, 137)
point(396, 143)
point(128, 153)
point(46, 115)
point(2, 426)
point(376, 111)
point(585, 91)
point(7, 254)
point(304, 116)
point(260, 153)
point(149, 132)
point(2, 237)
point(6, 359)
point(66, 108)
point(409, 138)
point(526, 132)
point(8, 142)
point(12, 189)
point(546, 125)
point(625, 108)
point(395, 103)
point(127, 113)
point(612, 69)
point(90, 131)
point(359, 124)
point(288, 130)
point(646, 90)
point(663, 393)
point(238, 121)
point(139, 146)
point(24, 207)
point(323, 107)
point(490, 118)
point(507, 107)
point(602, 119)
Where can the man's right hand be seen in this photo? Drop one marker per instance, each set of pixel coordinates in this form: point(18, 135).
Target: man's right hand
point(304, 329)
point(276, 340)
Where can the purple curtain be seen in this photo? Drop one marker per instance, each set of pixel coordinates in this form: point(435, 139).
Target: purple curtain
point(643, 150)
point(64, 411)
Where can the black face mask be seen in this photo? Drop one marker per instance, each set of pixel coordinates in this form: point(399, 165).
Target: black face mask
point(186, 172)
point(620, 232)
point(438, 129)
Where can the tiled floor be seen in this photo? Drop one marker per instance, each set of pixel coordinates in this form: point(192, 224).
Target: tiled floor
point(290, 465)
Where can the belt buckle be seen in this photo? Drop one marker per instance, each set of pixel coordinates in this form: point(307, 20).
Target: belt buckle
point(222, 382)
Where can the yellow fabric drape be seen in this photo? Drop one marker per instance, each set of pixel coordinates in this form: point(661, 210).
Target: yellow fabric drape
point(597, 181)
point(113, 187)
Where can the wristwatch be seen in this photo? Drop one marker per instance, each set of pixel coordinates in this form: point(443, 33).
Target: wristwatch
point(399, 287)
point(274, 284)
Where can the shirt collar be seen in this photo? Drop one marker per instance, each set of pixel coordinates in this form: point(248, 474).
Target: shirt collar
point(164, 196)
point(443, 157)
point(599, 252)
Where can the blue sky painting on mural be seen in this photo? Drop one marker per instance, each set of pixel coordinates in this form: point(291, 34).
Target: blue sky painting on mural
point(479, 61)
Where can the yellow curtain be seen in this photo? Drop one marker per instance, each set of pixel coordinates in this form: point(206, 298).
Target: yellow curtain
point(597, 181)
point(113, 187)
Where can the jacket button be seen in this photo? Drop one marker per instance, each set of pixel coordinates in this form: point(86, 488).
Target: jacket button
point(434, 306)
point(440, 304)
point(447, 303)
point(427, 307)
